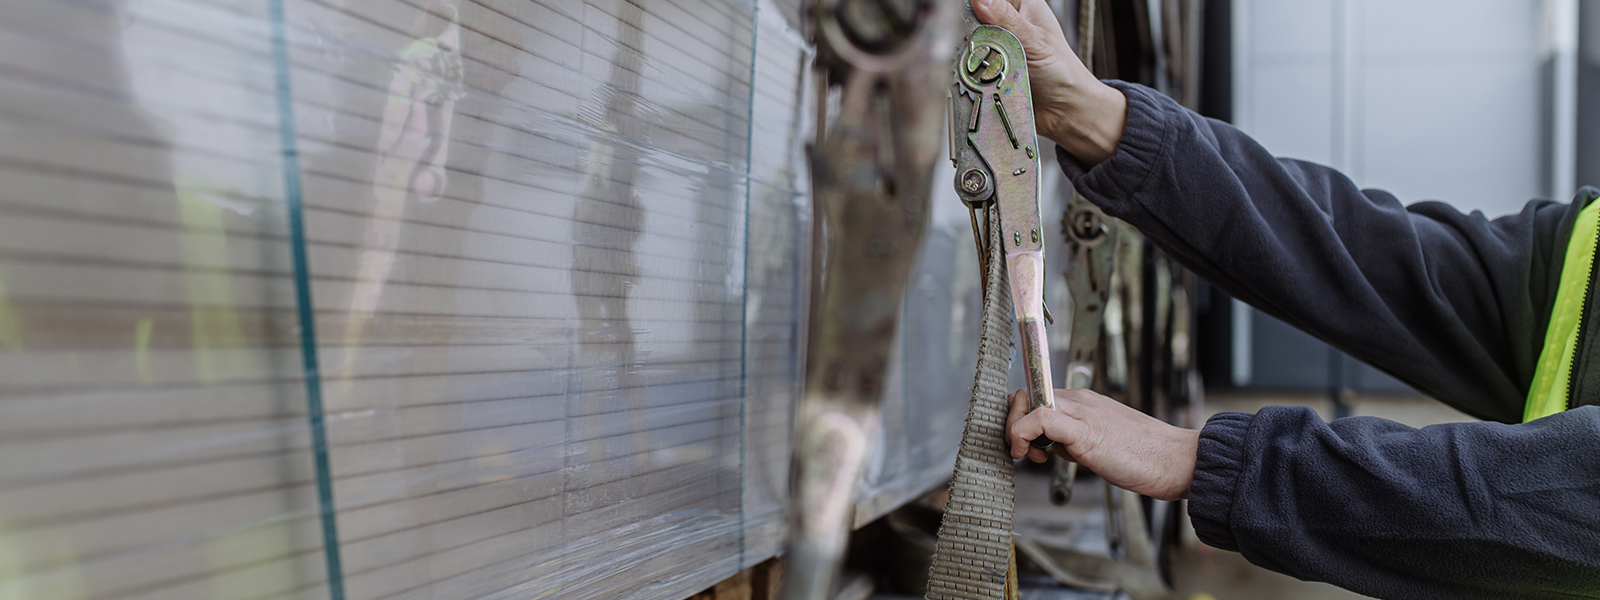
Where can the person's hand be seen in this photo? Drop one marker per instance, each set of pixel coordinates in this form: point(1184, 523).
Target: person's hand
point(1130, 449)
point(1071, 107)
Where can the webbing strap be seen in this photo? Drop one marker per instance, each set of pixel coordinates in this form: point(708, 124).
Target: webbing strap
point(972, 556)
point(1551, 379)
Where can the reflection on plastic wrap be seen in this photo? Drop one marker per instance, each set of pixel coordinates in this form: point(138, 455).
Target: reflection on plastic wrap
point(153, 437)
point(557, 254)
point(539, 373)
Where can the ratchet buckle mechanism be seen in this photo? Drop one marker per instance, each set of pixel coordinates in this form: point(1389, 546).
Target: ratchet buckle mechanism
point(995, 150)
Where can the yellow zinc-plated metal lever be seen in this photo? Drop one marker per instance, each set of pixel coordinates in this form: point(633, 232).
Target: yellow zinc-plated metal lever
point(995, 151)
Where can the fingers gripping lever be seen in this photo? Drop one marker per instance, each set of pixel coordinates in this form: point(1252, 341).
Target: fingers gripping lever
point(995, 152)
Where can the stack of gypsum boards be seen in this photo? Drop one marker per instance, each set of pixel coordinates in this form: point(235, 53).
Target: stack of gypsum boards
point(555, 257)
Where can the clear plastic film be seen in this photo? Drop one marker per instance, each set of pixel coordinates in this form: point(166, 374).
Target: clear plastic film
point(556, 257)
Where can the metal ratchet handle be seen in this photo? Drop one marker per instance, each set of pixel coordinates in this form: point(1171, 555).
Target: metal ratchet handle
point(999, 165)
point(1092, 238)
point(1027, 292)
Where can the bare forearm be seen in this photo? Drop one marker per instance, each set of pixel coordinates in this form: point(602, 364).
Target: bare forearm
point(1088, 121)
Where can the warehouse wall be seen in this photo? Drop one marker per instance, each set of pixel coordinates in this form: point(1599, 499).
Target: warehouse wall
point(1427, 99)
point(1587, 170)
point(419, 299)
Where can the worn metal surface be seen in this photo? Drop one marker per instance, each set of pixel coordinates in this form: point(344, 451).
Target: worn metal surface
point(994, 150)
point(997, 164)
point(1092, 239)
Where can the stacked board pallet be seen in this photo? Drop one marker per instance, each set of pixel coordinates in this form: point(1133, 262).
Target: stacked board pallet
point(389, 299)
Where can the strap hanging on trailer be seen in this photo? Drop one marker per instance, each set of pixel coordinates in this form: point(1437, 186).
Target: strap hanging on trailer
point(871, 173)
point(1092, 237)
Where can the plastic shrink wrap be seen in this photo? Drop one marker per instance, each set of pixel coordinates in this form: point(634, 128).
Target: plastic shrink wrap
point(420, 299)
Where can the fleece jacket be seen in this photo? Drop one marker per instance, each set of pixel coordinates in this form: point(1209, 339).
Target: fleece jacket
point(1453, 304)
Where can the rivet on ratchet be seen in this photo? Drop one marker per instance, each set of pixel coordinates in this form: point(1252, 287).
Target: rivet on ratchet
point(993, 70)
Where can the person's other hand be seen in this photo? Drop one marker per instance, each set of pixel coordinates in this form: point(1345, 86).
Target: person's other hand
point(1071, 107)
point(1128, 448)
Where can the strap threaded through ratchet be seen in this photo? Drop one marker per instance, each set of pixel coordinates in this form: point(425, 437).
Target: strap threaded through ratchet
point(973, 553)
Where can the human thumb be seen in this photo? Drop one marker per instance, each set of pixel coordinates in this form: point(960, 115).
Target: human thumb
point(998, 12)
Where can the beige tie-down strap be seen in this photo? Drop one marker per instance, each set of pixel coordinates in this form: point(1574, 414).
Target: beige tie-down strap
point(971, 559)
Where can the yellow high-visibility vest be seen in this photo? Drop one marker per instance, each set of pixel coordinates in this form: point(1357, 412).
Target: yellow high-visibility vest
point(1552, 378)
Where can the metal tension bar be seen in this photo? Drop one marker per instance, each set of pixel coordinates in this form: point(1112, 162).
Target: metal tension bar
point(871, 173)
point(997, 166)
point(1093, 241)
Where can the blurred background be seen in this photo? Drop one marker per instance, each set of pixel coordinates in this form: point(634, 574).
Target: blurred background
point(1476, 104)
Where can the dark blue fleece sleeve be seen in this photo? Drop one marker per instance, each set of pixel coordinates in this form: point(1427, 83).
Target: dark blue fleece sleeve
point(1453, 304)
point(1464, 510)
